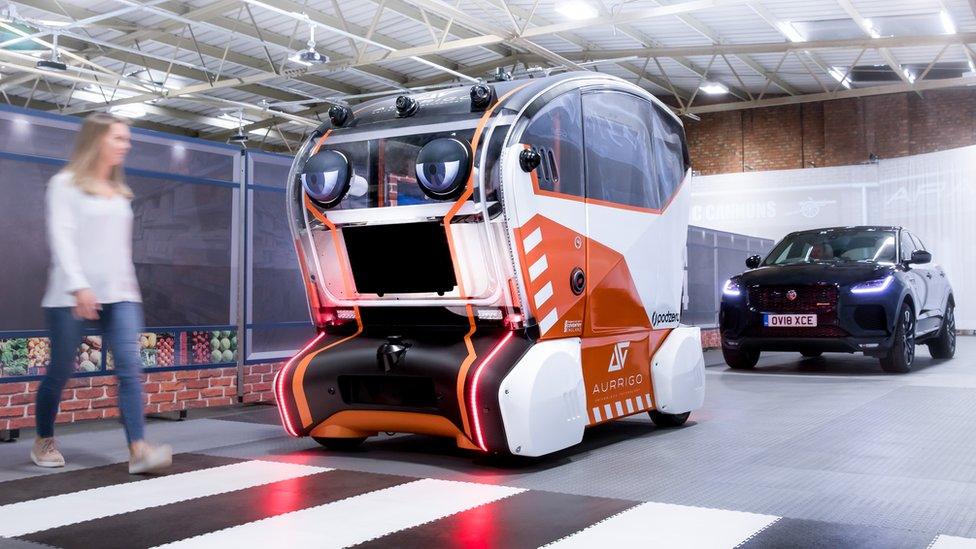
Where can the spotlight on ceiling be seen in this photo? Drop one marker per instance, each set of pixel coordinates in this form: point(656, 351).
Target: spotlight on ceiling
point(576, 9)
point(133, 110)
point(238, 116)
point(53, 63)
point(714, 88)
point(309, 56)
point(947, 23)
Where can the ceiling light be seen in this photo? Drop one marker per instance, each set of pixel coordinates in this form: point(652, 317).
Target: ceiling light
point(309, 56)
point(789, 31)
point(134, 110)
point(972, 67)
point(909, 75)
point(713, 88)
point(839, 76)
point(947, 22)
point(576, 9)
point(869, 28)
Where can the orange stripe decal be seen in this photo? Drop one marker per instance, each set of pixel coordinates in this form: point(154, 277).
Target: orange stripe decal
point(298, 386)
point(468, 191)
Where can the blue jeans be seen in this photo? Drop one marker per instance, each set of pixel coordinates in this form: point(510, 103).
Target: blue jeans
point(120, 323)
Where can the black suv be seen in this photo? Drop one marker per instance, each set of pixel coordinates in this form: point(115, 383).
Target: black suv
point(846, 289)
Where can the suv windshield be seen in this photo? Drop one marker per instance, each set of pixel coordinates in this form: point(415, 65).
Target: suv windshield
point(844, 245)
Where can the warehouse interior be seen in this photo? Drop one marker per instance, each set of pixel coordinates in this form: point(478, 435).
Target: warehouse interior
point(821, 121)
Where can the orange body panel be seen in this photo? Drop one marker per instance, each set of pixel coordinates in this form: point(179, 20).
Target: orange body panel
point(365, 423)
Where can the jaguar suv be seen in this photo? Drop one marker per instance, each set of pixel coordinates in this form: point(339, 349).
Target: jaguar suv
point(872, 290)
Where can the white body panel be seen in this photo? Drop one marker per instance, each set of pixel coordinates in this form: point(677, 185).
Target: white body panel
point(678, 372)
point(543, 400)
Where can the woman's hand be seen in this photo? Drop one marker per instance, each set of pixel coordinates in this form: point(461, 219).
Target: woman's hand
point(87, 306)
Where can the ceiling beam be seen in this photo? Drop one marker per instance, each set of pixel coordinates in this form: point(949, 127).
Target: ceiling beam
point(901, 87)
point(775, 47)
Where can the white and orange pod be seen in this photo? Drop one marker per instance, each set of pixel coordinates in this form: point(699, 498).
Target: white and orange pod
point(499, 264)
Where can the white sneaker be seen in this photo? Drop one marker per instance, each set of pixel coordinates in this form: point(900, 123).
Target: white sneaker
point(45, 453)
point(151, 460)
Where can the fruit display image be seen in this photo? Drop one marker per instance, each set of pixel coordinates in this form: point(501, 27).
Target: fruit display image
point(165, 346)
point(89, 355)
point(156, 349)
point(13, 357)
point(38, 355)
point(213, 347)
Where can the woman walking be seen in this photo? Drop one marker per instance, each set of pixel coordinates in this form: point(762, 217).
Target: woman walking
point(92, 281)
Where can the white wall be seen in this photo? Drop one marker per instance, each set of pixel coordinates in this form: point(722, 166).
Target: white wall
point(933, 195)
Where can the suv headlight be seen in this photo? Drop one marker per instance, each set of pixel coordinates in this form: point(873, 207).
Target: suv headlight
point(731, 288)
point(872, 286)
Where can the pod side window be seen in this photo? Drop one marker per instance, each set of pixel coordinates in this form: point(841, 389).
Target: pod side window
point(635, 155)
point(555, 134)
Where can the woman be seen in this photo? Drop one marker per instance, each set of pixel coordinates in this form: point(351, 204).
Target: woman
point(92, 280)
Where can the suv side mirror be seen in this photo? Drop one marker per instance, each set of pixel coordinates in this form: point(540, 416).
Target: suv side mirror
point(753, 261)
point(921, 256)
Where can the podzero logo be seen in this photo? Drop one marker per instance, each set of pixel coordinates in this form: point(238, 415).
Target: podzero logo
point(669, 317)
point(619, 356)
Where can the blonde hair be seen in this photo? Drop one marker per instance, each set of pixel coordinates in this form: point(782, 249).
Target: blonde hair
point(88, 150)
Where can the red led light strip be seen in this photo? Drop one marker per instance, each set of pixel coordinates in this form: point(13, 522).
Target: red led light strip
point(480, 439)
point(279, 386)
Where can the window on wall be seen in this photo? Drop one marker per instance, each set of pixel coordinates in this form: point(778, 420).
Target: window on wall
point(555, 133)
point(635, 154)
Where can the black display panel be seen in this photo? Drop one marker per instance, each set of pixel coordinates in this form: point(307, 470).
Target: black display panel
point(400, 258)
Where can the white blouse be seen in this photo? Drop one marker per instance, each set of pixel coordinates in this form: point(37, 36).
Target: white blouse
point(91, 245)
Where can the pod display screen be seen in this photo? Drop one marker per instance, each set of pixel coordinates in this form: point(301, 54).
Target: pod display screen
point(325, 177)
point(443, 167)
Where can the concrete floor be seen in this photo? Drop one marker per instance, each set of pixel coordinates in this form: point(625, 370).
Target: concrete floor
point(832, 439)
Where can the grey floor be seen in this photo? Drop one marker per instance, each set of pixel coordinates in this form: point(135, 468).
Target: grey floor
point(831, 439)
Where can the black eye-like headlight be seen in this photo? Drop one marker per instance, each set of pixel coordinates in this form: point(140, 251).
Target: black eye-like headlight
point(326, 177)
point(443, 166)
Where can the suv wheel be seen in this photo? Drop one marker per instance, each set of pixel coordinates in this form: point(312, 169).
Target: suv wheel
point(740, 359)
point(902, 353)
point(944, 344)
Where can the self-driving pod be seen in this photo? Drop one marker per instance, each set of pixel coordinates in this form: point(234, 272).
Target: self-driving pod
point(500, 264)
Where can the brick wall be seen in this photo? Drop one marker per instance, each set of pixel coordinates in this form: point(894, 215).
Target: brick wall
point(97, 397)
point(832, 133)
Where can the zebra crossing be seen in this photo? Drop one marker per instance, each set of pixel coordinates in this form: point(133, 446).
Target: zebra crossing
point(210, 501)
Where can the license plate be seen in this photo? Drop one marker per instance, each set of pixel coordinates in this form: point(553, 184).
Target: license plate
point(790, 321)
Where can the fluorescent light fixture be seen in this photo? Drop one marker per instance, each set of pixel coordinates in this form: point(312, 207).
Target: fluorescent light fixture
point(576, 9)
point(714, 88)
point(789, 31)
point(839, 76)
point(134, 110)
point(869, 28)
point(947, 23)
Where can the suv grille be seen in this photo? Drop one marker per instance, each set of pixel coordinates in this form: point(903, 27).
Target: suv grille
point(809, 299)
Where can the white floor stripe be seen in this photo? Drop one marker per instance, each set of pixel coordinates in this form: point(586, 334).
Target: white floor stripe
point(55, 511)
point(953, 542)
point(357, 519)
point(666, 525)
point(543, 295)
point(533, 240)
point(538, 268)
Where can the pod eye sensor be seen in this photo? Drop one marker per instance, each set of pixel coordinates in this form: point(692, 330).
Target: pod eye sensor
point(325, 178)
point(443, 167)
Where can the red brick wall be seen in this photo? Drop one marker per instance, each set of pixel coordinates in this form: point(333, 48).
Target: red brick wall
point(97, 397)
point(832, 133)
